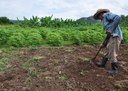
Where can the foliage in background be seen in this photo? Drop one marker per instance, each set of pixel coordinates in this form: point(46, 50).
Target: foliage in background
point(55, 32)
point(49, 22)
point(4, 20)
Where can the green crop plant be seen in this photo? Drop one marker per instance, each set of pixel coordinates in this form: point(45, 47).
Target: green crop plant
point(77, 38)
point(54, 39)
point(86, 36)
point(44, 32)
point(97, 38)
point(34, 39)
point(125, 36)
point(4, 36)
point(65, 34)
point(93, 37)
point(16, 40)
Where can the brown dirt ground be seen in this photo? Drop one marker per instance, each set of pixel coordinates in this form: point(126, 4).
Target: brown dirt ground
point(62, 69)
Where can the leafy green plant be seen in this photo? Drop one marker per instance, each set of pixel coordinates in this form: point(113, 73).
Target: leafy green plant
point(16, 40)
point(32, 22)
point(54, 39)
point(92, 37)
point(4, 36)
point(97, 38)
point(86, 36)
point(43, 32)
point(34, 39)
point(65, 34)
point(77, 38)
point(125, 36)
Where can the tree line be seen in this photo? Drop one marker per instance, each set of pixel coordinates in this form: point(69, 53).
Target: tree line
point(48, 21)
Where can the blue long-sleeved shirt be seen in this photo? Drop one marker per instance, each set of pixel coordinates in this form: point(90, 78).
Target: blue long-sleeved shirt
point(111, 23)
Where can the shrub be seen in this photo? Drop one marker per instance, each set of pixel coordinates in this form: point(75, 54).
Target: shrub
point(97, 38)
point(54, 39)
point(125, 36)
point(92, 37)
point(16, 40)
point(66, 35)
point(86, 37)
point(4, 36)
point(34, 39)
point(77, 38)
point(43, 33)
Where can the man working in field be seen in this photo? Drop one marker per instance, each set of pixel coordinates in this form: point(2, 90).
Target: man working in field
point(113, 37)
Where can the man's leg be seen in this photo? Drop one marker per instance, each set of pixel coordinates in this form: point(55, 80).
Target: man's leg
point(113, 52)
point(106, 55)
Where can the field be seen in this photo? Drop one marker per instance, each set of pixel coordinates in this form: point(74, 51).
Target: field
point(57, 57)
point(60, 69)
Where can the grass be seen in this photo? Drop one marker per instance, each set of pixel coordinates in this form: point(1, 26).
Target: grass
point(3, 64)
point(31, 70)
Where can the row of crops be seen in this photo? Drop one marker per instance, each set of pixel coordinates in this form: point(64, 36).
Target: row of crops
point(25, 37)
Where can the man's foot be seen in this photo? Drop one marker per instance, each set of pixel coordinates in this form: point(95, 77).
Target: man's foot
point(114, 69)
point(103, 63)
point(98, 64)
point(112, 72)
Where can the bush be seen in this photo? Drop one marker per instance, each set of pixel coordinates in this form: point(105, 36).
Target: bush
point(43, 33)
point(66, 35)
point(54, 39)
point(4, 36)
point(125, 36)
point(16, 40)
point(97, 38)
point(34, 39)
point(86, 37)
point(77, 38)
point(92, 37)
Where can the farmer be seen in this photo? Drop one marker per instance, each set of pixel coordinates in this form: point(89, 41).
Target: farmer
point(113, 38)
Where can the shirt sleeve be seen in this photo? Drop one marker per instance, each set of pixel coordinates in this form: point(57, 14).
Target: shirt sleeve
point(111, 21)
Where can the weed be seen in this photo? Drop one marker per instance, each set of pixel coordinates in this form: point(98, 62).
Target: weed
point(3, 64)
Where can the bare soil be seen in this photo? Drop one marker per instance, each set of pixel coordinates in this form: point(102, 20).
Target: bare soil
point(62, 69)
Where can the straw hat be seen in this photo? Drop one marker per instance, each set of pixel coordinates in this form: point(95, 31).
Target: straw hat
point(100, 11)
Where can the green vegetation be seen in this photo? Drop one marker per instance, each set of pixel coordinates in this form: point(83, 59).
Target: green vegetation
point(125, 33)
point(54, 39)
point(4, 20)
point(54, 32)
point(16, 40)
point(3, 64)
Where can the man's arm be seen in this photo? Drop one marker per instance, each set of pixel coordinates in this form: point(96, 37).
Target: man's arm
point(115, 22)
point(111, 21)
point(106, 40)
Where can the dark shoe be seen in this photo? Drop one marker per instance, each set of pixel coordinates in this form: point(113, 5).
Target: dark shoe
point(103, 63)
point(114, 69)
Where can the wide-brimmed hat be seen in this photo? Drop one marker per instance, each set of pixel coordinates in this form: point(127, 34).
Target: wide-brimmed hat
point(100, 11)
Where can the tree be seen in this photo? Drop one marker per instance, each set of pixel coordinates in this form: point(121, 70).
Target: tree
point(4, 20)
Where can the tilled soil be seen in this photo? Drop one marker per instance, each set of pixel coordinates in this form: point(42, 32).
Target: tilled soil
point(62, 69)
